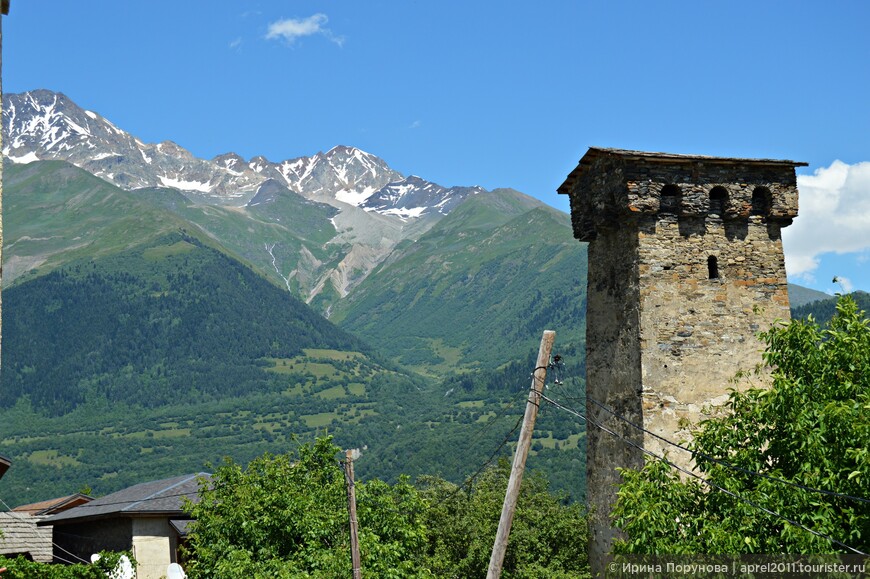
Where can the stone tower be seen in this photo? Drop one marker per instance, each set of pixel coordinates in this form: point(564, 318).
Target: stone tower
point(685, 267)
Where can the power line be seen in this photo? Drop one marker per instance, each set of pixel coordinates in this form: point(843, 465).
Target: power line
point(500, 414)
point(700, 478)
point(724, 463)
point(53, 544)
point(504, 441)
point(713, 459)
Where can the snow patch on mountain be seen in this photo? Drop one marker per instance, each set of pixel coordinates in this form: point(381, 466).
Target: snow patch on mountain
point(405, 213)
point(22, 160)
point(186, 185)
point(355, 198)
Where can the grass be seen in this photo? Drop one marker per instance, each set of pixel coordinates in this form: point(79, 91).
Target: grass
point(172, 433)
point(51, 458)
point(320, 419)
point(295, 390)
point(486, 417)
point(550, 442)
point(332, 393)
point(451, 359)
point(333, 354)
point(163, 251)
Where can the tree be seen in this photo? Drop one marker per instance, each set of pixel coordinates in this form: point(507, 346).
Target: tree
point(286, 516)
point(548, 535)
point(810, 428)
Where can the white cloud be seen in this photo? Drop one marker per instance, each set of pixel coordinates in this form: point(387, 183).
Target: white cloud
point(415, 125)
point(236, 43)
point(292, 29)
point(834, 216)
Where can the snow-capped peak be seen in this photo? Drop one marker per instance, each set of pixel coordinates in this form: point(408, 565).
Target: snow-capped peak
point(42, 124)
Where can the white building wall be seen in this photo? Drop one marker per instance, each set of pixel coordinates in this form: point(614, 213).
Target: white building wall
point(154, 544)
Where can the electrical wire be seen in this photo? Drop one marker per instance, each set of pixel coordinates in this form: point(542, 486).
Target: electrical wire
point(504, 441)
point(700, 478)
point(53, 544)
point(713, 459)
point(724, 463)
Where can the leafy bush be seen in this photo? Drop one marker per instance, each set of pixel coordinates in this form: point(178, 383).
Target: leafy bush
point(22, 568)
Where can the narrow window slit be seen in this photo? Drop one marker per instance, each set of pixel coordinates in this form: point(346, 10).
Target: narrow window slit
point(712, 267)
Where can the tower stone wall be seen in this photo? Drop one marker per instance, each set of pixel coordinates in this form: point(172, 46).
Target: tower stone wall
point(685, 267)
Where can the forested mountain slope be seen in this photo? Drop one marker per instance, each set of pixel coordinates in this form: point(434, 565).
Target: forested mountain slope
point(823, 310)
point(477, 289)
point(168, 321)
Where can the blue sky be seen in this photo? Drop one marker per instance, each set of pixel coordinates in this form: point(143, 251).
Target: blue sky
point(497, 94)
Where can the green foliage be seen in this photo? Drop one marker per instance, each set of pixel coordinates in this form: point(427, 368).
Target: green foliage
point(392, 530)
point(812, 427)
point(547, 539)
point(286, 516)
point(409, 427)
point(22, 568)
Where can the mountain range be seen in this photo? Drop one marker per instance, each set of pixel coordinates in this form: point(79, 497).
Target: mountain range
point(318, 226)
point(147, 308)
point(364, 207)
point(162, 310)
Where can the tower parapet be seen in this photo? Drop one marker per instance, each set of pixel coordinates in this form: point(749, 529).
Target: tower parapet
point(612, 185)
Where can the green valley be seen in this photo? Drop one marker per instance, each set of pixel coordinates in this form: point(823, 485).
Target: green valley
point(140, 342)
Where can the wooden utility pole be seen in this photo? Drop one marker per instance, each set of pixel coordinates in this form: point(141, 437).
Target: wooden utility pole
point(351, 509)
point(539, 377)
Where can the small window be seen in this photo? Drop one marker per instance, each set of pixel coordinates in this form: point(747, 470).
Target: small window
point(718, 200)
point(761, 201)
point(712, 267)
point(671, 198)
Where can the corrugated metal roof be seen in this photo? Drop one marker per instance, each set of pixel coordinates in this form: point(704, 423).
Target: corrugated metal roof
point(150, 498)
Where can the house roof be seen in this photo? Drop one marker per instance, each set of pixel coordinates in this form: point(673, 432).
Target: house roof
point(595, 152)
point(5, 463)
point(21, 536)
point(54, 506)
point(160, 497)
point(181, 526)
